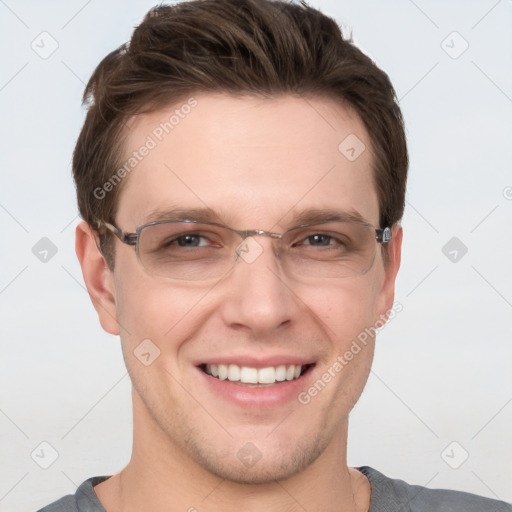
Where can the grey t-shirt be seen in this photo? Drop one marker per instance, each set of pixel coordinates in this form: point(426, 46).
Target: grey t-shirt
point(388, 495)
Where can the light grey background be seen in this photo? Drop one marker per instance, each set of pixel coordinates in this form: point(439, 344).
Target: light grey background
point(442, 370)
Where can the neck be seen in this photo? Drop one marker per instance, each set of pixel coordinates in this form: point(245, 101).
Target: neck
point(160, 474)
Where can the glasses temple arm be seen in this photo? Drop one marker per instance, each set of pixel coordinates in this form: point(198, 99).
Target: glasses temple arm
point(126, 238)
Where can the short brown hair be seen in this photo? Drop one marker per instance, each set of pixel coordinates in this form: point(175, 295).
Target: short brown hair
point(260, 47)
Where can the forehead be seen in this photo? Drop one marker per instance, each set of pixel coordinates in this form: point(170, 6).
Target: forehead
point(252, 161)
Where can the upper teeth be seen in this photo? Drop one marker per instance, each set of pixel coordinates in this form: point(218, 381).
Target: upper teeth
point(249, 375)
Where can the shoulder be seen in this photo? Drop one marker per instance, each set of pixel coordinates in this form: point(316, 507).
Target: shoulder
point(392, 495)
point(84, 500)
point(65, 504)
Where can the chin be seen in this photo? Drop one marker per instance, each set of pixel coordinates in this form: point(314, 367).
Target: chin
point(250, 465)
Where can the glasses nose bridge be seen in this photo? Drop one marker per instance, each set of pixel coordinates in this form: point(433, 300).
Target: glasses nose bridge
point(277, 237)
point(258, 232)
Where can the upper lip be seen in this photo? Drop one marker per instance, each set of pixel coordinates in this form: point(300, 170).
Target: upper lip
point(256, 362)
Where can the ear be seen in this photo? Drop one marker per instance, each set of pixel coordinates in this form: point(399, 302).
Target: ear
point(387, 291)
point(99, 279)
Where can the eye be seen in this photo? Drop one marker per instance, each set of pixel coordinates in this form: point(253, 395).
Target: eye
point(189, 240)
point(319, 240)
point(181, 240)
point(315, 243)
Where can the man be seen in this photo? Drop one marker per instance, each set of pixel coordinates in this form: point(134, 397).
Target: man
point(241, 174)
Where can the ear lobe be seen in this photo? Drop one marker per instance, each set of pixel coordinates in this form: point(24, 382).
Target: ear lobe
point(387, 292)
point(98, 277)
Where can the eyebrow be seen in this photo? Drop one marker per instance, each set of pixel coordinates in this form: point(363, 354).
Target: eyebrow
point(180, 213)
point(307, 216)
point(317, 216)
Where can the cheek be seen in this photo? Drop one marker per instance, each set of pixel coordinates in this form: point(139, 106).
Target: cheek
point(345, 311)
point(345, 308)
point(156, 310)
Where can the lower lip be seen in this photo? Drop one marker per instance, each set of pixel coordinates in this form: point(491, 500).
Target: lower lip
point(265, 396)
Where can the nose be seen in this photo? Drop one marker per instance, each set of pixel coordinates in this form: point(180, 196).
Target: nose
point(258, 297)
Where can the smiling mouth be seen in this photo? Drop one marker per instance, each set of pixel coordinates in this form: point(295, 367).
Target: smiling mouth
point(256, 376)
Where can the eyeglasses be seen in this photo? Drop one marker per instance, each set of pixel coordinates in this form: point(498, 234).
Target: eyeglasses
point(188, 250)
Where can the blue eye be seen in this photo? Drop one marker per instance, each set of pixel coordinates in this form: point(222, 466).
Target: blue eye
point(188, 240)
point(319, 240)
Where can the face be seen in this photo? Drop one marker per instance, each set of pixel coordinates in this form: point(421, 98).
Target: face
point(254, 164)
